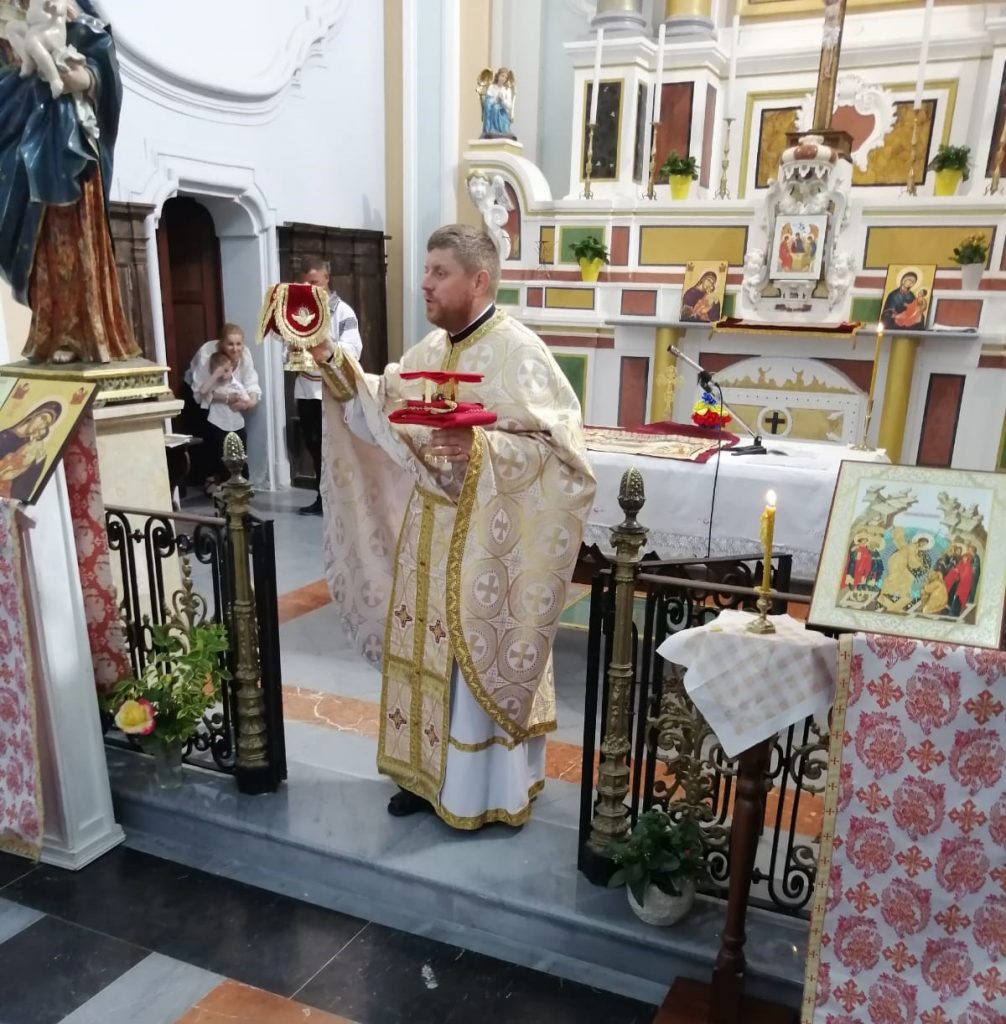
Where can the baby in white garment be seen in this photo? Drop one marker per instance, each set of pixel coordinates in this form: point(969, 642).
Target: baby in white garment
point(40, 41)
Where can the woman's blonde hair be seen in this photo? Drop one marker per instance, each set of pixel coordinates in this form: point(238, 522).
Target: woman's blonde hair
point(230, 328)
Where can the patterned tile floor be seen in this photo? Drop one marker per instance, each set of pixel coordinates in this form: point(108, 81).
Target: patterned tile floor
point(132, 939)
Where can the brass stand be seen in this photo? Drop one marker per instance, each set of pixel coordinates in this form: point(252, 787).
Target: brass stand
point(723, 192)
point(611, 813)
point(651, 191)
point(252, 765)
point(864, 441)
point(910, 186)
point(589, 167)
point(761, 625)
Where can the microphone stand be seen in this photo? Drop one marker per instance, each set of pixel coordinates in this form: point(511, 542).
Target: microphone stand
point(705, 379)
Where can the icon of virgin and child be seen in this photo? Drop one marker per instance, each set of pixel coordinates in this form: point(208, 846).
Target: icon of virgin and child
point(906, 306)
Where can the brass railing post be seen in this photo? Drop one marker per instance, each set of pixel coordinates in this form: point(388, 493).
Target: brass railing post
point(611, 813)
point(252, 766)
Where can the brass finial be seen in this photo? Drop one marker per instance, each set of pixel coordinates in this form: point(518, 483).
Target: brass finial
point(631, 495)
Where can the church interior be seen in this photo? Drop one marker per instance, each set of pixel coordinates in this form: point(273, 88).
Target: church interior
point(760, 247)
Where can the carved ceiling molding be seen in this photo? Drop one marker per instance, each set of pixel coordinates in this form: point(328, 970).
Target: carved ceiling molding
point(287, 43)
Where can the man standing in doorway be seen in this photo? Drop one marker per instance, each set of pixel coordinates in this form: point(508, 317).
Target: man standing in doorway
point(449, 551)
point(344, 332)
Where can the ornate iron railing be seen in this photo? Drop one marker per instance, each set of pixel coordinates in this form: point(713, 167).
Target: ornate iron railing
point(164, 563)
point(671, 757)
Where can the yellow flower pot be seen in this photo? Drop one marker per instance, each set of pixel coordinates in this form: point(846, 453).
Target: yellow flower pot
point(589, 269)
point(947, 182)
point(681, 185)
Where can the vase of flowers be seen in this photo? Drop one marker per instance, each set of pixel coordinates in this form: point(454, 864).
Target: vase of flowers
point(660, 865)
point(951, 164)
point(971, 256)
point(591, 253)
point(680, 171)
point(161, 709)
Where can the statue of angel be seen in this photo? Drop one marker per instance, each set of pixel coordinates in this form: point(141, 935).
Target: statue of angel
point(493, 203)
point(497, 97)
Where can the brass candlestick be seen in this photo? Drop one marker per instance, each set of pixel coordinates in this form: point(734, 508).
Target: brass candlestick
point(723, 192)
point(761, 625)
point(863, 445)
point(651, 192)
point(910, 187)
point(588, 168)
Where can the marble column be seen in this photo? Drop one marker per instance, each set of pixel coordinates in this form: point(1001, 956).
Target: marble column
point(620, 16)
point(897, 393)
point(689, 20)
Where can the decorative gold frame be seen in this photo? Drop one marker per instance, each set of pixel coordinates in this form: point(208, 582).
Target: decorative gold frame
point(807, 8)
point(854, 479)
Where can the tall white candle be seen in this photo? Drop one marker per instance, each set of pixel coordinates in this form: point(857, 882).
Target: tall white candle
point(920, 81)
point(597, 77)
point(735, 45)
point(658, 88)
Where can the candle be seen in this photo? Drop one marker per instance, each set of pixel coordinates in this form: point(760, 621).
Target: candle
point(876, 361)
point(597, 77)
point(920, 81)
point(767, 529)
point(732, 80)
point(658, 83)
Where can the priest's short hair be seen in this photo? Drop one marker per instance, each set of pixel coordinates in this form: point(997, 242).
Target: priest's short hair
point(472, 248)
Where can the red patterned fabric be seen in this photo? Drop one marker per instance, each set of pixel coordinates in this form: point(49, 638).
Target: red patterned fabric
point(20, 786)
point(910, 922)
point(104, 628)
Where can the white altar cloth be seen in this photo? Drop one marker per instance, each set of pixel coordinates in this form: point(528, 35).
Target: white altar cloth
point(678, 496)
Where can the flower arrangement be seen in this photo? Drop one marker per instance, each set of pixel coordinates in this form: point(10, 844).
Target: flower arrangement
point(685, 166)
point(952, 158)
point(973, 249)
point(661, 853)
point(590, 248)
point(709, 412)
point(180, 682)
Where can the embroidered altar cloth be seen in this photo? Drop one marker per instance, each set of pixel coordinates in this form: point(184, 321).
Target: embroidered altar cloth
point(909, 921)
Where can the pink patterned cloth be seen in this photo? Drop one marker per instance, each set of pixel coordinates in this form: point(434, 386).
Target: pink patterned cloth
point(909, 922)
point(101, 610)
point(20, 785)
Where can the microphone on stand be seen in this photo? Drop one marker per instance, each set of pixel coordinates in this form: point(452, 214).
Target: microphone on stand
point(705, 379)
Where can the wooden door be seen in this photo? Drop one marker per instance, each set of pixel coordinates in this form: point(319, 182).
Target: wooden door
point(191, 288)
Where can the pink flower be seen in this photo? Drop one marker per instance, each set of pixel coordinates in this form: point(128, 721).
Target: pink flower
point(136, 717)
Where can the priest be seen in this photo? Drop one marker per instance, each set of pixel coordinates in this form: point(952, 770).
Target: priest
point(449, 551)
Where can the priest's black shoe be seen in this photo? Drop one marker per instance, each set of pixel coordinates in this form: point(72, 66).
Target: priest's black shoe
point(314, 509)
point(404, 803)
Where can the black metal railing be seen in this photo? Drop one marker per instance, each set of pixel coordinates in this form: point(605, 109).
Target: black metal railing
point(169, 564)
point(675, 760)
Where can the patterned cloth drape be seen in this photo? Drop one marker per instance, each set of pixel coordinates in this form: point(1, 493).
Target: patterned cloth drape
point(20, 785)
point(909, 923)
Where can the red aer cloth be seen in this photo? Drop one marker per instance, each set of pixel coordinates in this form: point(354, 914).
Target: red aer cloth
point(467, 414)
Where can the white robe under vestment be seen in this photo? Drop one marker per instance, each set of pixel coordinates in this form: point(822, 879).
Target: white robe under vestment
point(453, 582)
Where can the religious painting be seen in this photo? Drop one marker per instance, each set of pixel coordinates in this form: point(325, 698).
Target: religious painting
point(997, 144)
point(605, 154)
point(915, 552)
point(702, 291)
point(37, 419)
point(908, 297)
point(798, 247)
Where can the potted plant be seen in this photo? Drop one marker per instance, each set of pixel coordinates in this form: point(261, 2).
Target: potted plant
point(951, 164)
point(681, 171)
point(161, 708)
point(971, 256)
point(659, 865)
point(591, 253)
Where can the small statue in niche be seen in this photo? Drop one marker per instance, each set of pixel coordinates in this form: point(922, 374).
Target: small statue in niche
point(39, 41)
point(492, 201)
point(497, 96)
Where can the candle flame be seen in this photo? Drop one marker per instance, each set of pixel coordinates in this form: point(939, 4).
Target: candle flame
point(880, 327)
point(770, 499)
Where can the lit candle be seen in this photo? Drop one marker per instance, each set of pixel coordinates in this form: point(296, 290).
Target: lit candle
point(767, 529)
point(658, 84)
point(876, 360)
point(920, 81)
point(597, 77)
point(732, 80)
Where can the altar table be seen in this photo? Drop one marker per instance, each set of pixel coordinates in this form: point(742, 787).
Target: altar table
point(678, 496)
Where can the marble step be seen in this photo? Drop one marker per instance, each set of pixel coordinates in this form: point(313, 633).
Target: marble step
point(326, 838)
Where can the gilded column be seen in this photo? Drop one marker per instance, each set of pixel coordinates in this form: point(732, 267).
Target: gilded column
point(664, 374)
point(620, 16)
point(897, 393)
point(688, 20)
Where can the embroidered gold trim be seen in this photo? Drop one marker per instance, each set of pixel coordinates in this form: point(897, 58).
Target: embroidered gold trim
point(424, 550)
point(827, 840)
point(493, 816)
point(477, 748)
point(340, 383)
point(454, 351)
point(436, 499)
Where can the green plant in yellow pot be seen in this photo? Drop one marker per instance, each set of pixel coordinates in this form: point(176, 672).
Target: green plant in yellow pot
point(952, 164)
point(681, 171)
point(591, 253)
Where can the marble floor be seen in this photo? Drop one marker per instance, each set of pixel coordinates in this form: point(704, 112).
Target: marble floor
point(133, 939)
